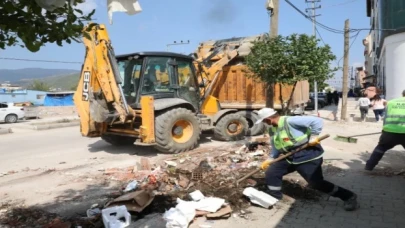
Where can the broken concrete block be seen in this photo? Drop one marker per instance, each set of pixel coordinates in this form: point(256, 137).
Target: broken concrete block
point(259, 197)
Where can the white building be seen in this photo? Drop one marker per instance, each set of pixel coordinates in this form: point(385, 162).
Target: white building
point(388, 46)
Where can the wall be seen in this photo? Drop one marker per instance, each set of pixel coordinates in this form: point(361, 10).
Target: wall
point(394, 47)
point(391, 15)
point(24, 96)
point(42, 111)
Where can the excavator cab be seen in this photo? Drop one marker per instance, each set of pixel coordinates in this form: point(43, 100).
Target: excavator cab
point(161, 75)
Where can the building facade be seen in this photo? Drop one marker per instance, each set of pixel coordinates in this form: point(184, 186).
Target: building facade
point(387, 50)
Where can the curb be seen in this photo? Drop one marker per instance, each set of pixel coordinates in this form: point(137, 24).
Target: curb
point(48, 126)
point(52, 126)
point(4, 131)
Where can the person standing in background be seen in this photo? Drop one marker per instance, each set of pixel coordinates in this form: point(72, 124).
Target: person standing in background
point(378, 104)
point(329, 97)
point(364, 104)
point(336, 97)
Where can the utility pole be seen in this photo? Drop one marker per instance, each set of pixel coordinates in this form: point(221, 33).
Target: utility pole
point(345, 71)
point(272, 7)
point(313, 9)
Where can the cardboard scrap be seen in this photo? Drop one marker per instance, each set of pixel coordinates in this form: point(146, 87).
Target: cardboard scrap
point(224, 212)
point(134, 201)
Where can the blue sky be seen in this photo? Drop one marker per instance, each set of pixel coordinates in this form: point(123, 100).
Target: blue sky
point(162, 22)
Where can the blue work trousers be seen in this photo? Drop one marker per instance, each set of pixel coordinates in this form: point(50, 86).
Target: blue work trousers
point(311, 171)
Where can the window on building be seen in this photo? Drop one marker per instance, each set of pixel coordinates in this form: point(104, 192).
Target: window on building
point(40, 96)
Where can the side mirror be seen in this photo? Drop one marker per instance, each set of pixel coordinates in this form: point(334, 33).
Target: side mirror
point(201, 85)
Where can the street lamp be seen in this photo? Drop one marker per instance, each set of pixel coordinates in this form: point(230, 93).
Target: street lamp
point(175, 43)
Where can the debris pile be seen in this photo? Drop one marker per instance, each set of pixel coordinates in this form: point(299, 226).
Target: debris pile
point(198, 183)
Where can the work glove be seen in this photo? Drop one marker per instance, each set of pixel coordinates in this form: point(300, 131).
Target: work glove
point(314, 140)
point(266, 164)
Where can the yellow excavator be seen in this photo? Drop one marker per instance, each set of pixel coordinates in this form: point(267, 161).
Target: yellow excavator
point(150, 98)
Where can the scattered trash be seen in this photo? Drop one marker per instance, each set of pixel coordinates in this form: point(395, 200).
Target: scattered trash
point(134, 201)
point(180, 216)
point(112, 217)
point(131, 186)
point(257, 153)
point(196, 195)
point(259, 197)
point(254, 164)
point(171, 163)
point(182, 161)
point(145, 164)
point(210, 204)
point(224, 212)
point(93, 212)
point(241, 149)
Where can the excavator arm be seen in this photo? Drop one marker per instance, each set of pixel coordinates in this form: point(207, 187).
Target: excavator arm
point(99, 98)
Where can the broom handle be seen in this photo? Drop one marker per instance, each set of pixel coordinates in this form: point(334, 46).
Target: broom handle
point(281, 158)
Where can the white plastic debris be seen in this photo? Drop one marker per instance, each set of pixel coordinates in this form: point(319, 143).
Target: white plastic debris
point(253, 164)
point(113, 216)
point(210, 204)
point(259, 197)
point(93, 212)
point(257, 153)
point(131, 186)
point(197, 195)
point(171, 163)
point(130, 7)
point(180, 216)
point(241, 149)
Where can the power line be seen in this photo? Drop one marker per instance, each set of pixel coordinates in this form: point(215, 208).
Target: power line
point(40, 60)
point(355, 37)
point(340, 4)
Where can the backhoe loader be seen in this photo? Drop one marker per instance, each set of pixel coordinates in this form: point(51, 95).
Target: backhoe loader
point(147, 98)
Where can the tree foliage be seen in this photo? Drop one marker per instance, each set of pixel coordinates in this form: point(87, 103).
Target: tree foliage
point(25, 23)
point(39, 86)
point(287, 60)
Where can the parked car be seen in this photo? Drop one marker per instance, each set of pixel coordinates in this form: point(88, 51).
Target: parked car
point(311, 104)
point(10, 113)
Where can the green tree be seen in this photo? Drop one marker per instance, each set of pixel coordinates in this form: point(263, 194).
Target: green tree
point(287, 60)
point(39, 85)
point(25, 23)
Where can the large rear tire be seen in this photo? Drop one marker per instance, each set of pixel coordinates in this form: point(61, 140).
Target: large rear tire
point(251, 118)
point(177, 131)
point(118, 140)
point(231, 127)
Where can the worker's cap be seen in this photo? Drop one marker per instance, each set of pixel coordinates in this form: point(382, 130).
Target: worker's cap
point(264, 113)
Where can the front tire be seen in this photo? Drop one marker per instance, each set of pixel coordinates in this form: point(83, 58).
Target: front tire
point(251, 118)
point(177, 131)
point(231, 127)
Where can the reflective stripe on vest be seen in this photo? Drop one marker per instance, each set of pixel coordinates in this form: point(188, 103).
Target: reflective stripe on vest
point(394, 120)
point(283, 139)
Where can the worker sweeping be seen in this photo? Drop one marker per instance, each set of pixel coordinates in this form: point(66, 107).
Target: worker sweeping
point(288, 133)
point(393, 132)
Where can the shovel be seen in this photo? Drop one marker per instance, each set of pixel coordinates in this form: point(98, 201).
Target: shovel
point(351, 139)
point(280, 158)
